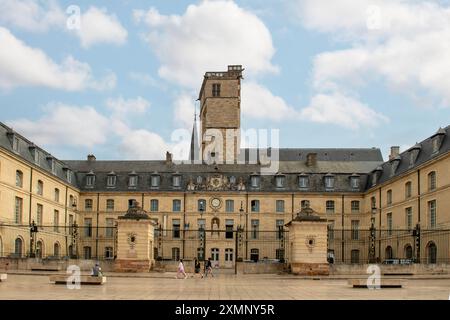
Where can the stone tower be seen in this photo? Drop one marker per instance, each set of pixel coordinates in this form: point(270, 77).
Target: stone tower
point(220, 113)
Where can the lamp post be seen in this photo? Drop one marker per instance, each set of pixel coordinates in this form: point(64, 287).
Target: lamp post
point(372, 258)
point(202, 232)
point(33, 231)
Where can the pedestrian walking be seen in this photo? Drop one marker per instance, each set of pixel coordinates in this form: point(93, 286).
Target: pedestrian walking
point(181, 270)
point(197, 267)
point(208, 268)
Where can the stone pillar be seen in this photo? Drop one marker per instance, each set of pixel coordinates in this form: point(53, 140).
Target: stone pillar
point(135, 241)
point(308, 244)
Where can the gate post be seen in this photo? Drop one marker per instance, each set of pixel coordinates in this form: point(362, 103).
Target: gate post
point(308, 235)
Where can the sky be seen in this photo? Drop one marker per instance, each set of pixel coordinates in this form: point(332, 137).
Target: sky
point(120, 79)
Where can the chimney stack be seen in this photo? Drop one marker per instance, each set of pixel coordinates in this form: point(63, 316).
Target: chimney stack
point(168, 157)
point(395, 151)
point(311, 159)
point(91, 157)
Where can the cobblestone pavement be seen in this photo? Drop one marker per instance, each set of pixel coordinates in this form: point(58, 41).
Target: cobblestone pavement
point(222, 287)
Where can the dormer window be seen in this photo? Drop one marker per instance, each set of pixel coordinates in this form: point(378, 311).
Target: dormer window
point(329, 181)
point(354, 181)
point(199, 179)
point(375, 175)
point(111, 180)
point(303, 181)
point(90, 180)
point(280, 181)
point(132, 180)
point(394, 165)
point(176, 180)
point(154, 180)
point(35, 154)
point(255, 180)
point(52, 164)
point(15, 144)
point(232, 179)
point(68, 175)
point(436, 140)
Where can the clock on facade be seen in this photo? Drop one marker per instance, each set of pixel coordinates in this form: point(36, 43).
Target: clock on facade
point(215, 203)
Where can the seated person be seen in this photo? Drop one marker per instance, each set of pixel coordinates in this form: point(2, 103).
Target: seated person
point(97, 271)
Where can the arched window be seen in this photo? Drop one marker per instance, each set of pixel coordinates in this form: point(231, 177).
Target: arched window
point(431, 252)
point(39, 247)
point(18, 247)
point(408, 189)
point(56, 249)
point(408, 251)
point(40, 188)
point(388, 253)
point(389, 197)
point(201, 205)
point(432, 181)
point(19, 179)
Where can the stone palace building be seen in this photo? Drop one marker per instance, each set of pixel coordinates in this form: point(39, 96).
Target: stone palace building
point(394, 209)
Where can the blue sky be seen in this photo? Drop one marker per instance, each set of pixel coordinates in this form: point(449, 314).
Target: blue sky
point(326, 74)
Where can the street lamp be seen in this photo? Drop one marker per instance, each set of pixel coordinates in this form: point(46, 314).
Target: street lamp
point(202, 231)
point(33, 231)
point(372, 236)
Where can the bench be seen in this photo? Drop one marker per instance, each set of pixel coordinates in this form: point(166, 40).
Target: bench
point(62, 279)
point(389, 283)
point(40, 267)
point(3, 277)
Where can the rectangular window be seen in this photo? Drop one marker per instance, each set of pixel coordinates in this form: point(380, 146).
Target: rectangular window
point(355, 229)
point(70, 224)
point(109, 253)
point(110, 205)
point(408, 190)
point(176, 228)
point(132, 182)
point(279, 225)
point(255, 205)
point(176, 205)
point(329, 207)
point(355, 206)
point(216, 90)
point(229, 229)
point(69, 176)
point(354, 256)
point(154, 205)
point(111, 181)
point(279, 181)
point(109, 227)
point(87, 252)
point(329, 182)
point(389, 197)
point(16, 144)
point(389, 223)
point(201, 223)
point(255, 181)
point(56, 221)
point(88, 204)
point(229, 205)
point(39, 215)
point(155, 181)
point(303, 182)
point(280, 205)
point(432, 214)
point(88, 227)
point(40, 188)
point(354, 182)
point(18, 210)
point(176, 181)
point(56, 195)
point(90, 181)
point(408, 220)
point(432, 181)
point(255, 229)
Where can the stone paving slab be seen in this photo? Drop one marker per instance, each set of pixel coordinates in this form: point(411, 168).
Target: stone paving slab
point(223, 287)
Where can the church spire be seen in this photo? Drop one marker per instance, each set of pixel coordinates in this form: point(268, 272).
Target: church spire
point(194, 151)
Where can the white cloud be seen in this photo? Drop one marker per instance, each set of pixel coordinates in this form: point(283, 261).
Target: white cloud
point(121, 106)
point(341, 110)
point(208, 36)
point(97, 26)
point(31, 15)
point(21, 65)
point(143, 145)
point(65, 125)
point(403, 44)
point(143, 79)
point(184, 107)
point(259, 102)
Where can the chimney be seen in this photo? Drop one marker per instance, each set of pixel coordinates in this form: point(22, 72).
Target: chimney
point(91, 157)
point(395, 151)
point(311, 159)
point(168, 157)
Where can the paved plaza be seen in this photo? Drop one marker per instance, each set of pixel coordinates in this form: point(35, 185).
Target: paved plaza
point(223, 287)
